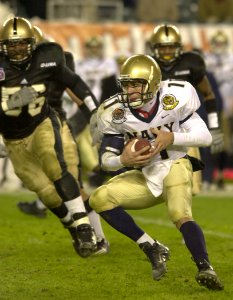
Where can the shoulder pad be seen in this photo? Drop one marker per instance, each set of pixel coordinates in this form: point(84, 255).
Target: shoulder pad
point(193, 57)
point(69, 58)
point(112, 101)
point(176, 94)
point(50, 52)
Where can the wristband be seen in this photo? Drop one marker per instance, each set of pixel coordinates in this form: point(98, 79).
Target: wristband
point(90, 104)
point(213, 120)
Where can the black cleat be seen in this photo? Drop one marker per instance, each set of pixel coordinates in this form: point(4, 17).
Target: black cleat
point(31, 208)
point(207, 277)
point(84, 240)
point(157, 254)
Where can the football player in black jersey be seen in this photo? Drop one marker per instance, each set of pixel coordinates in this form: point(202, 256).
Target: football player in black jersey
point(42, 151)
point(166, 44)
point(55, 93)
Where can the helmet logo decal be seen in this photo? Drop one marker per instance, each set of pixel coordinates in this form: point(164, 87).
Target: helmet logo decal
point(169, 102)
point(118, 116)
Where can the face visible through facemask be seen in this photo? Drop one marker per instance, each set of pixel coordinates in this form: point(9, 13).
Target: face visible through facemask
point(134, 93)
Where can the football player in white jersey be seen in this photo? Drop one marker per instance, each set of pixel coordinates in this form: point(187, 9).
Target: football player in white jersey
point(165, 114)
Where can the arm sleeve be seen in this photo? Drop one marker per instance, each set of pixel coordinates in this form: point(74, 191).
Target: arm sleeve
point(195, 133)
point(110, 150)
point(78, 87)
point(111, 162)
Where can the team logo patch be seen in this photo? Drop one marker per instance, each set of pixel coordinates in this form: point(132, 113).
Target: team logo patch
point(48, 64)
point(2, 74)
point(169, 102)
point(118, 115)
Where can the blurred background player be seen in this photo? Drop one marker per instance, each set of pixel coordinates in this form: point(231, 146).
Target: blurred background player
point(33, 132)
point(219, 60)
point(93, 68)
point(55, 100)
point(166, 45)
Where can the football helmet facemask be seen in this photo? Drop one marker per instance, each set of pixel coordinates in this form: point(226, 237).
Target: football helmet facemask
point(17, 40)
point(165, 43)
point(140, 78)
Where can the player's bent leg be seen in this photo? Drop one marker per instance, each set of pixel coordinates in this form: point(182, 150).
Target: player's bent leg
point(111, 199)
point(178, 193)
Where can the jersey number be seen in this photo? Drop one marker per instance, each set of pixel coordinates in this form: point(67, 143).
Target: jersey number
point(34, 108)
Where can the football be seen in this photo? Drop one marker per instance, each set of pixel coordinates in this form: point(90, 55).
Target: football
point(140, 143)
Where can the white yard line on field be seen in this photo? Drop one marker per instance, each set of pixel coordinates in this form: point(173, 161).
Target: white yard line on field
point(168, 224)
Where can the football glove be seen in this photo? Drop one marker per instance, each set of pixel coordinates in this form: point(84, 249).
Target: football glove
point(95, 133)
point(21, 98)
point(218, 142)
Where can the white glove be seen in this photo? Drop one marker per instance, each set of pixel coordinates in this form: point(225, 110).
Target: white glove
point(21, 98)
point(218, 142)
point(3, 151)
point(95, 133)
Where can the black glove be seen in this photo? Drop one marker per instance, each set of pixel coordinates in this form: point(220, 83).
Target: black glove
point(21, 98)
point(218, 142)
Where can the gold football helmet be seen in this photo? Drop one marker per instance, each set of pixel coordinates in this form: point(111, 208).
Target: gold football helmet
point(166, 43)
point(38, 34)
point(17, 40)
point(143, 71)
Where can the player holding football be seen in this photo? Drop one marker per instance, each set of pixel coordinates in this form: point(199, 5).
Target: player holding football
point(164, 113)
point(41, 150)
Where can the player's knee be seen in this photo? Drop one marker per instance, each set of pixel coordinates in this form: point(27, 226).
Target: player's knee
point(179, 217)
point(183, 220)
point(99, 200)
point(49, 196)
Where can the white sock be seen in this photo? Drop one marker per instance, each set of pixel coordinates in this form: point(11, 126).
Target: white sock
point(75, 205)
point(96, 224)
point(145, 238)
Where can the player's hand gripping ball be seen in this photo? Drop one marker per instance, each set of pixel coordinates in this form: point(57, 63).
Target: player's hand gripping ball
point(140, 143)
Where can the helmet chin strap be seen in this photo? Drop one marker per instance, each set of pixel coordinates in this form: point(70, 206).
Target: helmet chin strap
point(138, 103)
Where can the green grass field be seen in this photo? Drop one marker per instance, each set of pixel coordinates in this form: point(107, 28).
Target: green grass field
point(37, 260)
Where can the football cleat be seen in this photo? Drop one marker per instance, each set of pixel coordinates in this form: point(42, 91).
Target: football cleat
point(207, 277)
point(31, 208)
point(103, 247)
point(84, 240)
point(157, 255)
point(164, 250)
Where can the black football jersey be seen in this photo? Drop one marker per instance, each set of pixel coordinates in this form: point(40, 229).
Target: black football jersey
point(56, 89)
point(189, 66)
point(46, 65)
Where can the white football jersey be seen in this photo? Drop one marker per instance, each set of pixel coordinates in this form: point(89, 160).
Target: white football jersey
point(94, 70)
point(221, 65)
point(177, 101)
